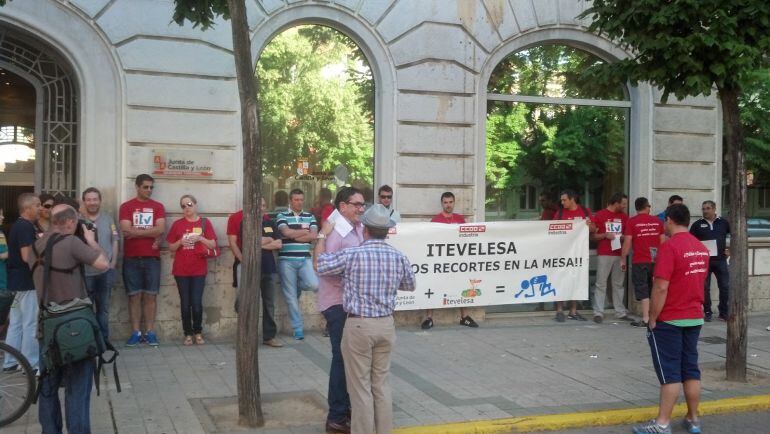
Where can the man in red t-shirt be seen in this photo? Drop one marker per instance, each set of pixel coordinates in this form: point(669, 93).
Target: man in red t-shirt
point(142, 221)
point(447, 215)
point(609, 230)
point(571, 210)
point(645, 233)
point(676, 318)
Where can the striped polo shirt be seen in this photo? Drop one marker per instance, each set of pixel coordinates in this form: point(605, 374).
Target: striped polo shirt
point(295, 250)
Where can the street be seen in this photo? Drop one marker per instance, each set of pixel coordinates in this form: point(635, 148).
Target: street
point(739, 423)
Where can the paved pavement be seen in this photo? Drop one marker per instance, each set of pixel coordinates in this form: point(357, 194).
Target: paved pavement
point(512, 367)
point(743, 423)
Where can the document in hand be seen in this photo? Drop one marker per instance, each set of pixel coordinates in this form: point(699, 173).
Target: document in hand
point(341, 225)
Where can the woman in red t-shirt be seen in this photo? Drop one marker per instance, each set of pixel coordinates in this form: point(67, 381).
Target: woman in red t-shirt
point(186, 238)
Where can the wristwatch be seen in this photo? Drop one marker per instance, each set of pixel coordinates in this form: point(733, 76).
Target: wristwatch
point(320, 236)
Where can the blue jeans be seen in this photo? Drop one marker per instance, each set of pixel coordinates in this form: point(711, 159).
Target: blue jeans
point(100, 291)
point(337, 397)
point(78, 379)
point(191, 301)
point(292, 273)
point(141, 275)
point(719, 268)
point(22, 329)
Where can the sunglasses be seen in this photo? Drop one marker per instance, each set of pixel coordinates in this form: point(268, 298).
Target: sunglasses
point(48, 206)
point(148, 187)
point(187, 205)
point(384, 196)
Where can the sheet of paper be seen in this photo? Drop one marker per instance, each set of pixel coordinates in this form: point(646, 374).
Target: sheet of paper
point(341, 225)
point(615, 242)
point(712, 246)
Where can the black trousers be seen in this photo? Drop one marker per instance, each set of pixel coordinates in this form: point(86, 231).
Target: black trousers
point(720, 270)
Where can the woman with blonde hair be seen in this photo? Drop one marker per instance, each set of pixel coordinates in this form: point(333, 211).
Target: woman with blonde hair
point(189, 238)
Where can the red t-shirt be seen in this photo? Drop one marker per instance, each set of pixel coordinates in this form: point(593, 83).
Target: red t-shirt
point(574, 214)
point(455, 218)
point(684, 262)
point(186, 261)
point(608, 221)
point(141, 214)
point(645, 231)
point(234, 226)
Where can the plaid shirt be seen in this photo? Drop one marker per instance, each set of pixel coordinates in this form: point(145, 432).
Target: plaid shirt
point(372, 273)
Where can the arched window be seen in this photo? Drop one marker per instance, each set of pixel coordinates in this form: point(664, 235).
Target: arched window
point(317, 113)
point(549, 127)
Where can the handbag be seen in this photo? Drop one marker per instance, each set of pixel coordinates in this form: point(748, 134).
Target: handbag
point(201, 250)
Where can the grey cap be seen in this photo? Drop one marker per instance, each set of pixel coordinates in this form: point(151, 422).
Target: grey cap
point(378, 217)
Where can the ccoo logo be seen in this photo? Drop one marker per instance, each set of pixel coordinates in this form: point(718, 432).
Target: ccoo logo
point(473, 228)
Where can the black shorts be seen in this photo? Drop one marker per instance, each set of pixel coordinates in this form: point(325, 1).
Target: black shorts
point(674, 352)
point(641, 277)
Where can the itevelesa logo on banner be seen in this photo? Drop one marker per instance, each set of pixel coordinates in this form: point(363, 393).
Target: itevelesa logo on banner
point(483, 264)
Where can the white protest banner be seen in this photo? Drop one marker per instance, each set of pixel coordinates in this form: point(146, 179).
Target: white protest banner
point(482, 264)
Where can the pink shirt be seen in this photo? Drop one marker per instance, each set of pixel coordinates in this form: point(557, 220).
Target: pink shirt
point(330, 288)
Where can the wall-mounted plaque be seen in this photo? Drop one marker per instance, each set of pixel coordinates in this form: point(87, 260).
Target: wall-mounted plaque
point(182, 163)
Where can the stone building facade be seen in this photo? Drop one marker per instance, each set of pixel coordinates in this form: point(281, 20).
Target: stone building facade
point(145, 84)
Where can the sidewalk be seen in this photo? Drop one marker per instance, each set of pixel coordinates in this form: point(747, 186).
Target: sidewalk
point(505, 368)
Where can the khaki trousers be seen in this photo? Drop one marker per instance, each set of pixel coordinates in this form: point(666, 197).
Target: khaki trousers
point(607, 266)
point(366, 348)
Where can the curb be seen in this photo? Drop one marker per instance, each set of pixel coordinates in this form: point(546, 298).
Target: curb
point(552, 422)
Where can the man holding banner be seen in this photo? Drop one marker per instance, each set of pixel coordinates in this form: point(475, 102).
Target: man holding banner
point(448, 216)
point(609, 224)
point(372, 274)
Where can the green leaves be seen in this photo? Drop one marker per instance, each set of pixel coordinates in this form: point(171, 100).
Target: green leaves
point(199, 12)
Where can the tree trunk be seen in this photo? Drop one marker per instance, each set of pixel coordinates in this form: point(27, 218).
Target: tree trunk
point(737, 326)
point(247, 361)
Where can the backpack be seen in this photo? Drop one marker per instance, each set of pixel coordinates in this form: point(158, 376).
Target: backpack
point(73, 334)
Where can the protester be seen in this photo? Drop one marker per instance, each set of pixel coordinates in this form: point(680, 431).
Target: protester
point(22, 326)
point(676, 318)
point(188, 237)
point(6, 296)
point(323, 207)
point(142, 222)
point(99, 282)
point(281, 202)
point(673, 199)
point(549, 207)
point(349, 203)
point(712, 231)
point(643, 233)
point(447, 215)
point(298, 229)
point(372, 274)
point(385, 197)
point(609, 230)
point(271, 241)
point(64, 287)
point(43, 222)
point(572, 210)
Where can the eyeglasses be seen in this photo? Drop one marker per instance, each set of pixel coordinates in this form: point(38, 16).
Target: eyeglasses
point(187, 205)
point(386, 196)
point(48, 206)
point(356, 204)
point(148, 187)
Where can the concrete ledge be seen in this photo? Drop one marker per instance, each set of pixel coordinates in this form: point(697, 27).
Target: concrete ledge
point(552, 422)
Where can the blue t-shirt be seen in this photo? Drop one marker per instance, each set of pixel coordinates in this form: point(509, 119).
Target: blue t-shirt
point(3, 273)
point(23, 234)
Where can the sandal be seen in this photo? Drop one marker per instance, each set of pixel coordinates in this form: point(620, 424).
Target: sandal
point(188, 341)
point(199, 339)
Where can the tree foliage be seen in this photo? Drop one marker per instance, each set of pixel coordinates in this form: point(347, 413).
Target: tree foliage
point(755, 117)
point(314, 97)
point(556, 146)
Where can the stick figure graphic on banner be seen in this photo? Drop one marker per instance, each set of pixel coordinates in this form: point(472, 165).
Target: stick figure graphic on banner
point(537, 283)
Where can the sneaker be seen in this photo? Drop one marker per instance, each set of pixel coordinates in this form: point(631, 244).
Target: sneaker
point(576, 317)
point(151, 339)
point(272, 343)
point(639, 323)
point(652, 427)
point(692, 427)
point(625, 318)
point(12, 368)
point(598, 319)
point(134, 340)
point(723, 318)
point(468, 322)
point(707, 318)
point(298, 335)
point(560, 317)
point(427, 324)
